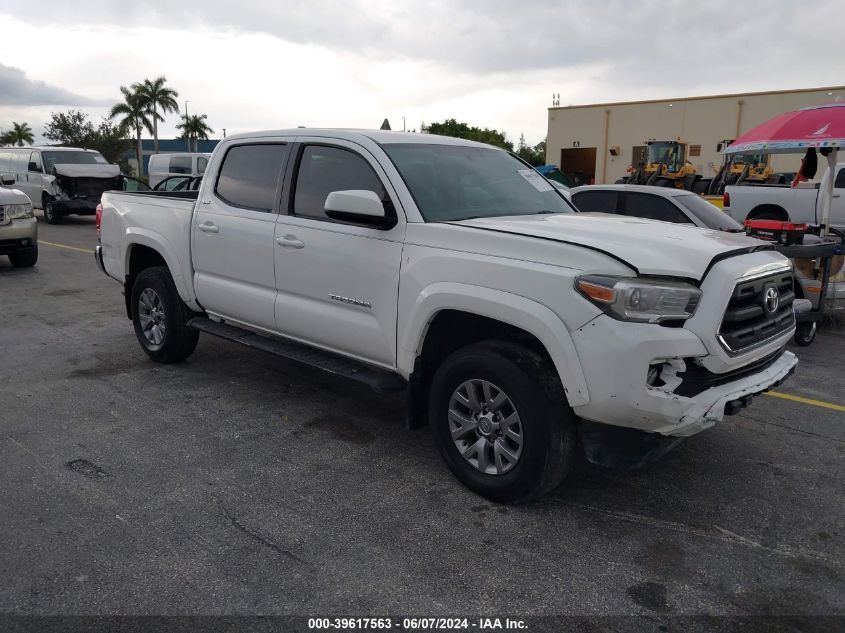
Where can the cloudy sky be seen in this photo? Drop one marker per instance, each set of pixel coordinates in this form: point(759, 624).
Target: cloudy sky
point(263, 64)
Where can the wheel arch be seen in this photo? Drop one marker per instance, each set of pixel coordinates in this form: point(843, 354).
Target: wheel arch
point(143, 251)
point(447, 316)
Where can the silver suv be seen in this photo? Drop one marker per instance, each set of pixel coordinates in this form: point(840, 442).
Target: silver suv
point(18, 227)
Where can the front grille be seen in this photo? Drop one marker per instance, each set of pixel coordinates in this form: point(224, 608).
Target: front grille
point(749, 320)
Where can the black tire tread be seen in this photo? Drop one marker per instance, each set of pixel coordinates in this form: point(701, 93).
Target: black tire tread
point(24, 260)
point(181, 340)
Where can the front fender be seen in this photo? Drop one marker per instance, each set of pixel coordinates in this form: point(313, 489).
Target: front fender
point(506, 307)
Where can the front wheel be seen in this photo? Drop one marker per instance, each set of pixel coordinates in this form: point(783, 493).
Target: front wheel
point(805, 333)
point(161, 317)
point(24, 260)
point(501, 421)
point(50, 214)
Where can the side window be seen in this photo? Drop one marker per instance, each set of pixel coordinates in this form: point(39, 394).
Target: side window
point(643, 205)
point(249, 175)
point(180, 165)
point(35, 162)
point(839, 183)
point(323, 170)
point(596, 201)
point(202, 163)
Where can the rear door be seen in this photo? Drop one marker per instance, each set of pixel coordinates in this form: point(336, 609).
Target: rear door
point(233, 234)
point(337, 282)
point(596, 200)
point(651, 207)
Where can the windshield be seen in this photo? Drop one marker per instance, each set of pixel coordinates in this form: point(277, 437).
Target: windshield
point(71, 158)
point(459, 182)
point(670, 154)
point(710, 215)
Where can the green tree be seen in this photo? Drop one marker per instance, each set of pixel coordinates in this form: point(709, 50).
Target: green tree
point(132, 116)
point(532, 155)
point(194, 127)
point(157, 95)
point(69, 128)
point(450, 127)
point(20, 135)
point(74, 129)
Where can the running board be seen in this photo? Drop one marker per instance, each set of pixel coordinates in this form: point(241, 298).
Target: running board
point(377, 380)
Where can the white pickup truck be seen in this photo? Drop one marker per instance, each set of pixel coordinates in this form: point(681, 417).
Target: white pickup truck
point(782, 202)
point(522, 330)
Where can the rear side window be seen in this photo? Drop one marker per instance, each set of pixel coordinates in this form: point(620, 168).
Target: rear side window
point(249, 175)
point(323, 170)
point(180, 165)
point(643, 205)
point(839, 183)
point(202, 163)
point(596, 201)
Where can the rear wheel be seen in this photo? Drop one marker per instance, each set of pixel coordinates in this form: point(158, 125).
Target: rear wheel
point(501, 421)
point(24, 260)
point(161, 317)
point(664, 182)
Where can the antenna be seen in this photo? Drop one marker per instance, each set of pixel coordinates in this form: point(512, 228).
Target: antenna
point(555, 100)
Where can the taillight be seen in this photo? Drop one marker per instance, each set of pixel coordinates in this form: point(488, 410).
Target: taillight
point(726, 199)
point(99, 218)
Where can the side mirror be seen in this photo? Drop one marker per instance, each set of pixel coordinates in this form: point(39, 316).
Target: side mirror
point(7, 180)
point(33, 166)
point(358, 206)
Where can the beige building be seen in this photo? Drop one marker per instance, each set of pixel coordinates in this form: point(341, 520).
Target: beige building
point(602, 140)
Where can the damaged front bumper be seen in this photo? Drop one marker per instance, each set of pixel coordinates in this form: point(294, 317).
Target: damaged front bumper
point(617, 359)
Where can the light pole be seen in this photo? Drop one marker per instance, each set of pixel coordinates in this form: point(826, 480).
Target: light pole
point(187, 134)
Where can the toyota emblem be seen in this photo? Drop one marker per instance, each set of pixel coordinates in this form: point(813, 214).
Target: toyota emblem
point(771, 300)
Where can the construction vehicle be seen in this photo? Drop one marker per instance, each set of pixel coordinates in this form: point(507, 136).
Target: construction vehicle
point(666, 165)
point(737, 169)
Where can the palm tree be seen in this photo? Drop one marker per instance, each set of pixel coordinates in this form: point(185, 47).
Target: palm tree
point(157, 96)
point(133, 116)
point(19, 135)
point(194, 127)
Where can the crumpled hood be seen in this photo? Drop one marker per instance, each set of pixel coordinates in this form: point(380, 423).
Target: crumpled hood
point(652, 248)
point(86, 171)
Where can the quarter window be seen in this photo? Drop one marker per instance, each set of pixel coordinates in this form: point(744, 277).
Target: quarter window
point(249, 175)
point(642, 205)
point(839, 183)
point(323, 170)
point(202, 163)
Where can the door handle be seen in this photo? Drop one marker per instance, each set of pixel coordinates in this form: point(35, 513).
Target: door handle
point(290, 241)
point(836, 195)
point(208, 227)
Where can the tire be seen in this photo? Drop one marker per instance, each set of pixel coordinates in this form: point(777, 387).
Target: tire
point(664, 182)
point(805, 333)
point(532, 391)
point(155, 301)
point(50, 213)
point(24, 260)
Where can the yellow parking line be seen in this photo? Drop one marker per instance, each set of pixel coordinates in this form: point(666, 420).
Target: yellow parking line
point(70, 248)
point(815, 403)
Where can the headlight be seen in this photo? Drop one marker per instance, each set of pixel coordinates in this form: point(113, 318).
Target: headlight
point(19, 211)
point(640, 300)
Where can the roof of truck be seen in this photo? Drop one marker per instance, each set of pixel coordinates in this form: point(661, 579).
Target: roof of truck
point(382, 137)
point(52, 148)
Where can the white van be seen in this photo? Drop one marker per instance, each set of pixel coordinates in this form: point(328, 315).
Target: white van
point(60, 180)
point(182, 164)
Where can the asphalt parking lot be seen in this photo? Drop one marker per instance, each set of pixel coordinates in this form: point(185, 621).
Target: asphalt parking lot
point(239, 483)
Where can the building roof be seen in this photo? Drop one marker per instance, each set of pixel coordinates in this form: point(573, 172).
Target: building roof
point(682, 99)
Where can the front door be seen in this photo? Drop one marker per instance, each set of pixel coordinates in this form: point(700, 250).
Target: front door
point(31, 182)
point(232, 235)
point(338, 282)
